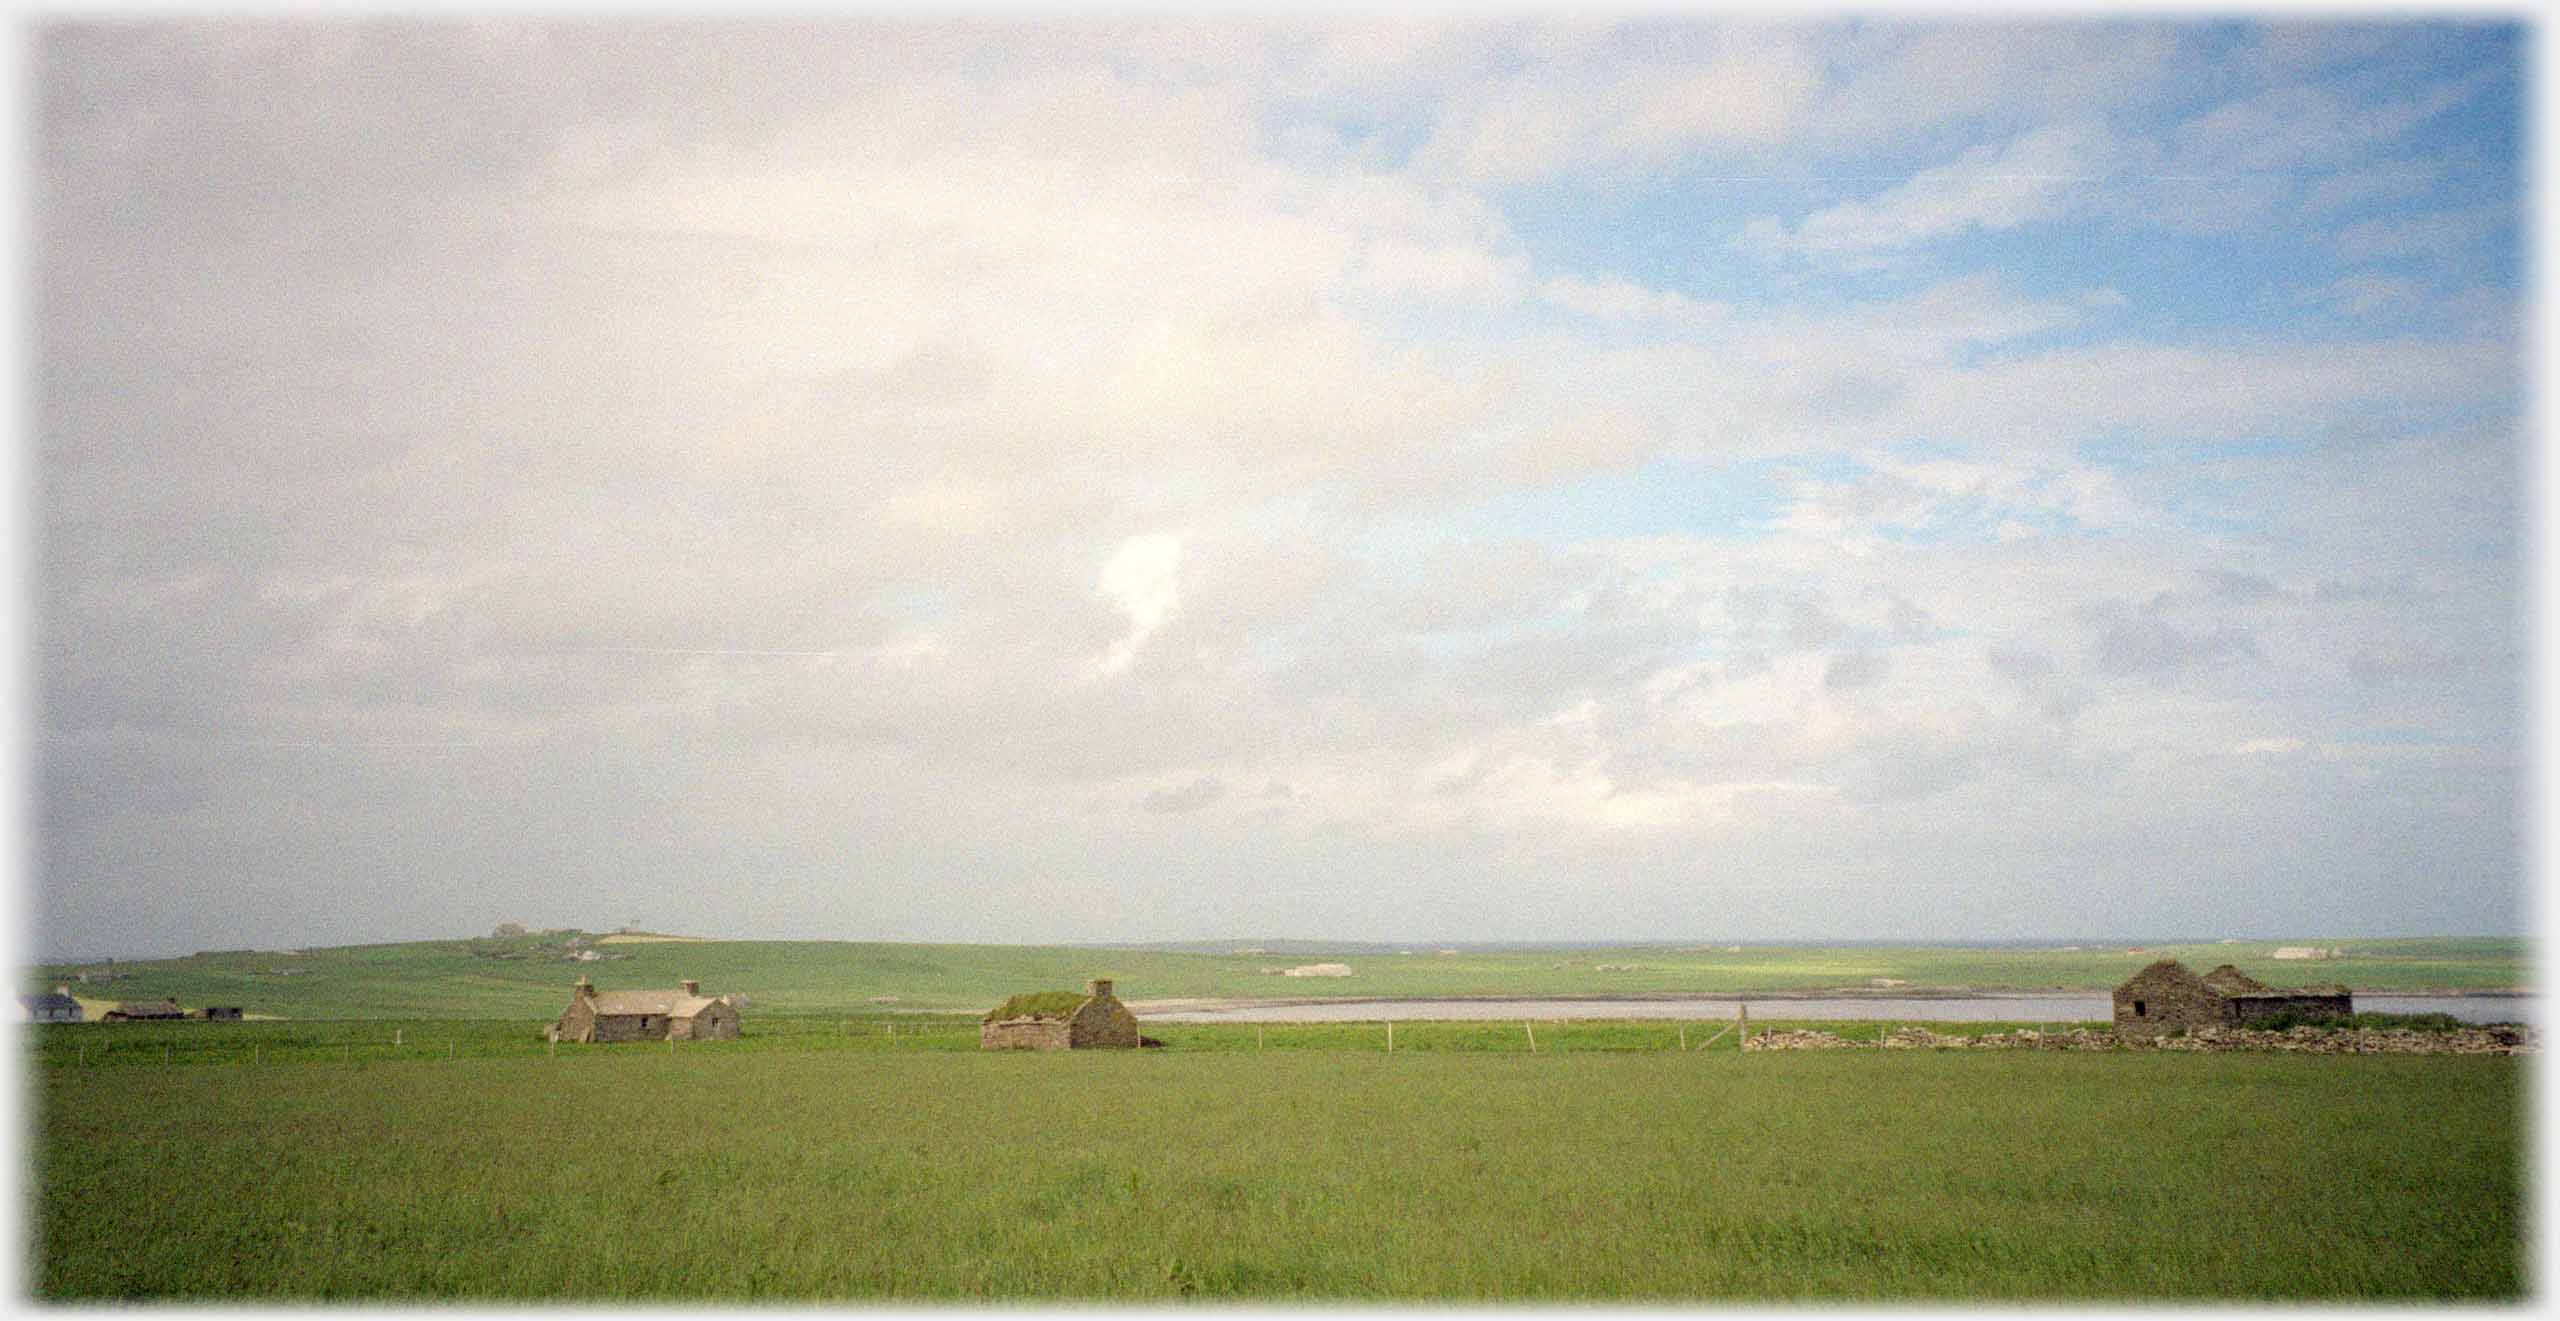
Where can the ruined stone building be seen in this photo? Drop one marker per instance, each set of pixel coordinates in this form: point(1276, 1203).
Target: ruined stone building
point(2168, 997)
point(138, 1011)
point(683, 1014)
point(1060, 1020)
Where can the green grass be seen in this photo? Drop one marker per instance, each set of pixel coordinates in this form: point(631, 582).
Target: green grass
point(1036, 1004)
point(790, 1168)
point(359, 1041)
point(490, 978)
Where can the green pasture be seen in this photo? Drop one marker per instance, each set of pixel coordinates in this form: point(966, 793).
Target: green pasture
point(809, 1164)
point(524, 977)
point(383, 1041)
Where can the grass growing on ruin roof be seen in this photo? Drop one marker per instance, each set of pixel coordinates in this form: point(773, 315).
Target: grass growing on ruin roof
point(1037, 1004)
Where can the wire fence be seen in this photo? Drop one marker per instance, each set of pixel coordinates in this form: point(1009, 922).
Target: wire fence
point(364, 1042)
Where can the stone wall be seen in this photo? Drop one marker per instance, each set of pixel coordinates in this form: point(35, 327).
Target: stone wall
point(1023, 1034)
point(1102, 1022)
point(577, 1022)
point(2300, 1040)
point(630, 1027)
point(2250, 1008)
point(717, 1022)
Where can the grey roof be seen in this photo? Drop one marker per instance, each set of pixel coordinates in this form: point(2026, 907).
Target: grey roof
point(49, 1000)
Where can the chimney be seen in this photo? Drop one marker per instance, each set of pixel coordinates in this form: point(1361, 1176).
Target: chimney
point(691, 987)
point(1101, 988)
point(585, 991)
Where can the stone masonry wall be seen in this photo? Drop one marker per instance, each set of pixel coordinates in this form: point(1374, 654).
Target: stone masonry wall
point(1023, 1034)
point(2246, 1009)
point(2300, 1040)
point(718, 1022)
point(1103, 1022)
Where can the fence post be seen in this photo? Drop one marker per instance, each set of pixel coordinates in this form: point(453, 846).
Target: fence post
point(396, 1034)
point(1742, 1026)
point(1684, 1037)
point(1257, 1036)
point(1533, 1035)
point(1391, 1036)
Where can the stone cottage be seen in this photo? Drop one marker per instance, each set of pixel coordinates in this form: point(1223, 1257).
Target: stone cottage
point(58, 1007)
point(2168, 997)
point(1060, 1020)
point(683, 1014)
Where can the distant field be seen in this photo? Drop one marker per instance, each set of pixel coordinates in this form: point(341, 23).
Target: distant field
point(887, 1173)
point(515, 979)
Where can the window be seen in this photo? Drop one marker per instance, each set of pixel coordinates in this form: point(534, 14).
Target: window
point(2139, 1010)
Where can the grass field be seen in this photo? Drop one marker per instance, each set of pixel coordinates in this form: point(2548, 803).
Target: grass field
point(379, 1041)
point(490, 978)
point(836, 1165)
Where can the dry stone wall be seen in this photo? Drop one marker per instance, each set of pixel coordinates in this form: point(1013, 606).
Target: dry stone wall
point(2302, 1040)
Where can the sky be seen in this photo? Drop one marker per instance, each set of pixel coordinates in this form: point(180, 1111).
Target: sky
point(1027, 480)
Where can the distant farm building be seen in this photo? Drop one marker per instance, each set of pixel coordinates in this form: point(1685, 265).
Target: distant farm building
point(2168, 997)
point(139, 1011)
point(1060, 1020)
point(2307, 952)
point(683, 1014)
point(219, 1013)
point(54, 1007)
point(1318, 970)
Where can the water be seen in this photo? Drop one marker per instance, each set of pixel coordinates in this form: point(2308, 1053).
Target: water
point(1967, 1009)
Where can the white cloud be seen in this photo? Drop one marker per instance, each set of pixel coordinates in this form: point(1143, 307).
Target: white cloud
point(1591, 105)
point(2035, 177)
point(1142, 579)
point(836, 411)
point(2369, 294)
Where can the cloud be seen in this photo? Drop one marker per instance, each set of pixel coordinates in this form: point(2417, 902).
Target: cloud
point(1916, 81)
point(524, 465)
point(1851, 670)
point(2147, 641)
point(1626, 100)
point(2368, 294)
point(1191, 797)
point(2036, 177)
point(2304, 126)
point(1141, 580)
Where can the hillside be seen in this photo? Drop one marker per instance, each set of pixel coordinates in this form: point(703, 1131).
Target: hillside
point(528, 977)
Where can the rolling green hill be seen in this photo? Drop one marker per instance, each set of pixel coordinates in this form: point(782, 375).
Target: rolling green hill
point(528, 977)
